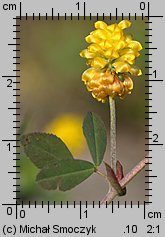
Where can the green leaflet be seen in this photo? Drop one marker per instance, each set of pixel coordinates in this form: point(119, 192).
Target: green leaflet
point(95, 134)
point(65, 175)
point(45, 149)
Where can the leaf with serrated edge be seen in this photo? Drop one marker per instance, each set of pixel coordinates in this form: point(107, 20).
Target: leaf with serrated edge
point(95, 134)
point(65, 175)
point(45, 149)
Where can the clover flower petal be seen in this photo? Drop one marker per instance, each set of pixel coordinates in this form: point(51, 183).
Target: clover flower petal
point(124, 24)
point(121, 66)
point(100, 25)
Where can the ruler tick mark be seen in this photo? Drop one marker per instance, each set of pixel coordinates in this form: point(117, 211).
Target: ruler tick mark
point(116, 14)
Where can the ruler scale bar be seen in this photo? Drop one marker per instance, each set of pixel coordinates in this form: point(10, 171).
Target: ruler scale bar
point(19, 207)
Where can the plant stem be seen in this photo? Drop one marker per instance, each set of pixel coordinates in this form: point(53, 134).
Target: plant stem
point(101, 174)
point(112, 193)
point(112, 133)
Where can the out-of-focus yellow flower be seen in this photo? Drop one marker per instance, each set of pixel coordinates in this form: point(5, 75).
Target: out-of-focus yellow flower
point(111, 56)
point(69, 128)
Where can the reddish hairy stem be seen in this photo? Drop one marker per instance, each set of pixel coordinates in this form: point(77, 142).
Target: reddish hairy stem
point(112, 193)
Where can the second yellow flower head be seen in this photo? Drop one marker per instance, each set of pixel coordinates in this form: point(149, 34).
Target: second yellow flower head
point(111, 56)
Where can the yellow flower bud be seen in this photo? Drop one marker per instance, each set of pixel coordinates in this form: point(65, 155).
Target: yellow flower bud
point(135, 45)
point(98, 62)
point(95, 48)
point(86, 54)
point(121, 66)
point(124, 24)
point(100, 25)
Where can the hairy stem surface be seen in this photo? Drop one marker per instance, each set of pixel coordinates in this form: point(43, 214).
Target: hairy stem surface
point(112, 133)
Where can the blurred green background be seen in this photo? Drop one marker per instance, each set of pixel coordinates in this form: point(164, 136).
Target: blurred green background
point(51, 85)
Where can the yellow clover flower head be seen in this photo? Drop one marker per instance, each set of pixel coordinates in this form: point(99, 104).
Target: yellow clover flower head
point(111, 56)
